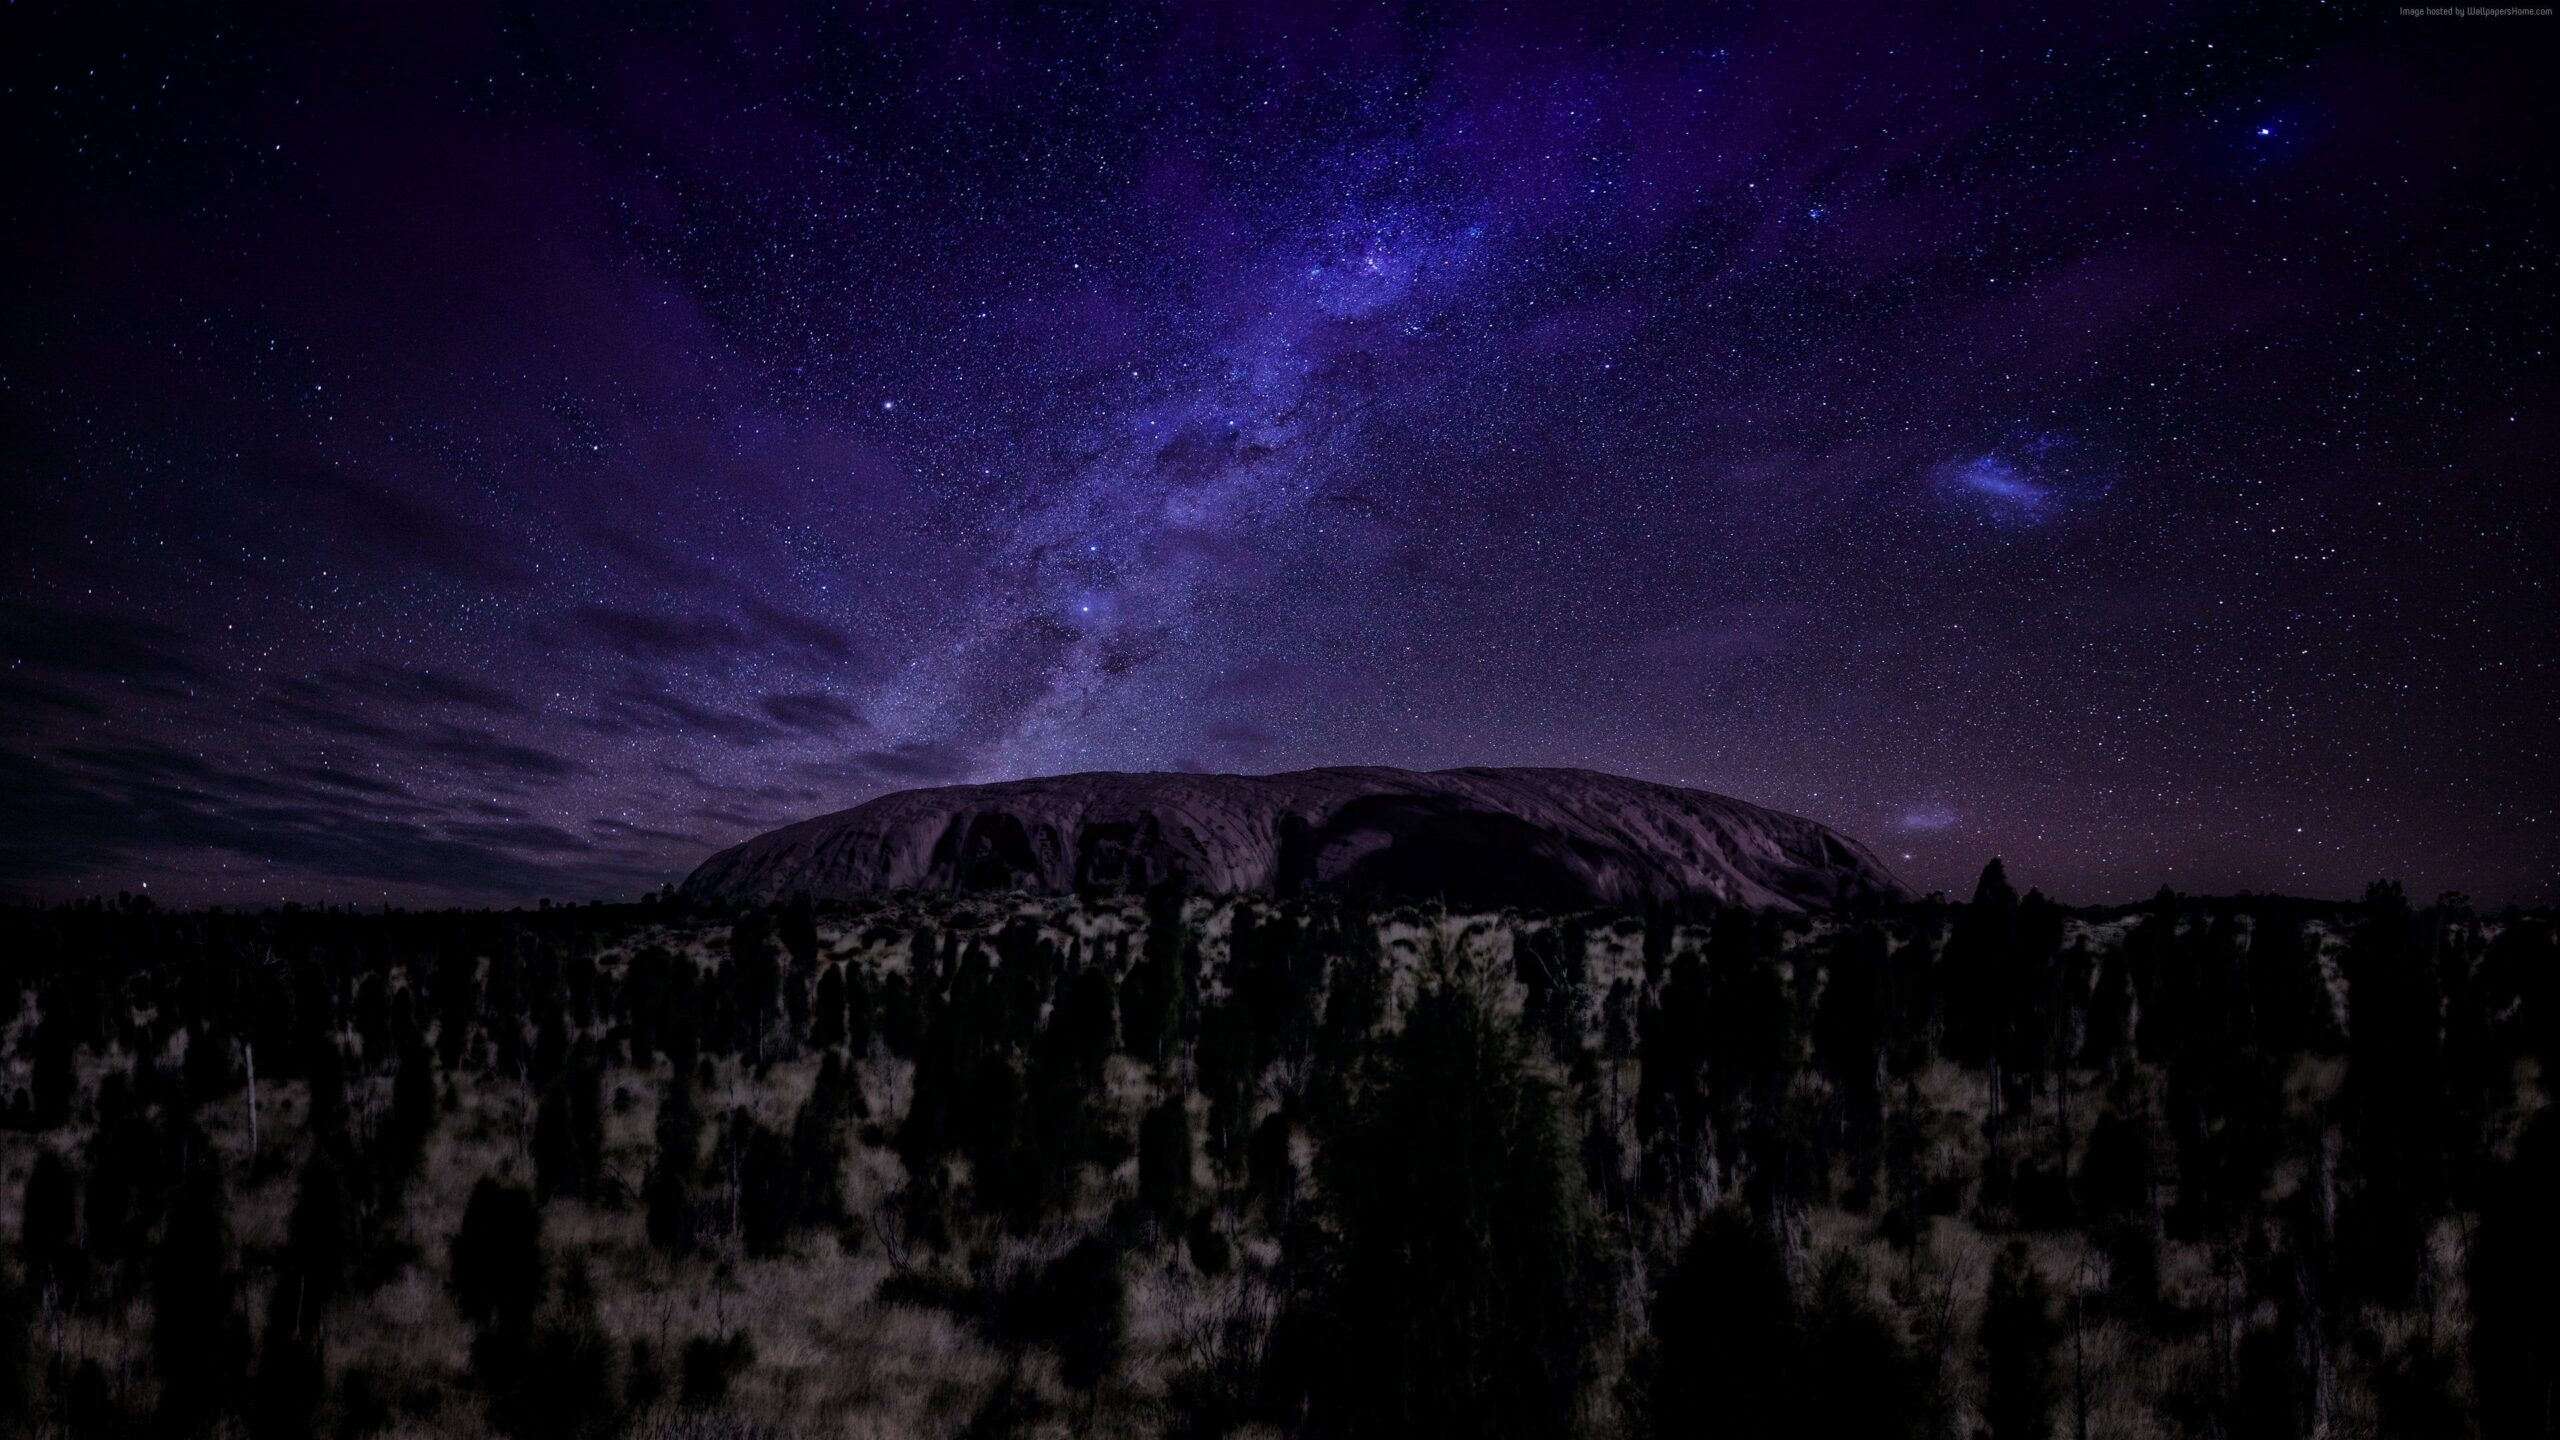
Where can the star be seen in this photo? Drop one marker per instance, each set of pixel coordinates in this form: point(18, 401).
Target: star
point(1436, 396)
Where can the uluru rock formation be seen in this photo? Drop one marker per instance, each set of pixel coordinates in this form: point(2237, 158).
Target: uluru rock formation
point(1477, 838)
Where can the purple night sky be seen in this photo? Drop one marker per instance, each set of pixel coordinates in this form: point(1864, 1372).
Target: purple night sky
point(514, 455)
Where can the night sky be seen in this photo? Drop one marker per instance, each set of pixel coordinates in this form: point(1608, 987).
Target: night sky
point(514, 455)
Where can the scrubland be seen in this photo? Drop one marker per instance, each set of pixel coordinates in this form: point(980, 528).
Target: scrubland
point(1200, 1166)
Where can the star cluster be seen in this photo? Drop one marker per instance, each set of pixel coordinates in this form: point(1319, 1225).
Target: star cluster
point(477, 456)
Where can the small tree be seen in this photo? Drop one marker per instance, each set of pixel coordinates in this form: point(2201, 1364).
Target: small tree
point(797, 928)
point(496, 1257)
point(1855, 1375)
point(198, 1340)
point(1724, 1354)
point(2018, 1337)
point(2514, 1275)
point(769, 1191)
point(413, 1114)
point(568, 1134)
point(817, 1141)
point(755, 978)
point(319, 1244)
point(826, 1016)
point(291, 1382)
point(558, 1381)
point(17, 1347)
point(1164, 1161)
point(54, 1082)
point(1206, 1244)
point(670, 1184)
point(709, 1364)
point(45, 1234)
point(1083, 1309)
point(858, 1014)
point(1456, 1305)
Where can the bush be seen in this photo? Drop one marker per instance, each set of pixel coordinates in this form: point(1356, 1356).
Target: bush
point(45, 1232)
point(496, 1257)
point(17, 1347)
point(558, 1382)
point(1081, 1310)
point(1207, 1244)
point(365, 1397)
point(710, 1364)
point(642, 1383)
point(1164, 1161)
point(290, 1386)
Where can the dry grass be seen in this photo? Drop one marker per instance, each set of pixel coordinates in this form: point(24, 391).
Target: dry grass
point(832, 1358)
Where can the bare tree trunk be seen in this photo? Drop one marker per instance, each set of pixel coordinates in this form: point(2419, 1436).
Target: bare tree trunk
point(2311, 1353)
point(2080, 1350)
point(2062, 1117)
point(1941, 1333)
point(249, 1057)
point(1995, 1112)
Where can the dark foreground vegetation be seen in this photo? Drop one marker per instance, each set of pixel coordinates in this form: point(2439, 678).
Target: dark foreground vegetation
point(2243, 1167)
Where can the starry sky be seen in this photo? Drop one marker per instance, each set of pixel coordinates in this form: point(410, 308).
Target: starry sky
point(466, 456)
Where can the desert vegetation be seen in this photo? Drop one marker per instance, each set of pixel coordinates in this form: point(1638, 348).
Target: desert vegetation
point(1174, 1165)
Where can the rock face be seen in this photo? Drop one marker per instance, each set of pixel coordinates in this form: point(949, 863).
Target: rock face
point(1478, 839)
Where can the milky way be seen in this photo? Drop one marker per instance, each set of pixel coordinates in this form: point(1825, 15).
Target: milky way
point(514, 456)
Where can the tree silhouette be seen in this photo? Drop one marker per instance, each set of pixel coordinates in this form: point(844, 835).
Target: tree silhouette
point(2514, 1276)
point(495, 1259)
point(568, 1134)
point(1726, 1336)
point(1083, 1311)
point(2018, 1337)
point(826, 1012)
point(319, 1246)
point(1456, 1299)
point(1164, 1161)
point(1976, 965)
point(1855, 1376)
point(558, 1379)
point(17, 1347)
point(53, 1080)
point(199, 1344)
point(46, 1230)
point(2263, 1124)
point(2394, 1096)
point(668, 1192)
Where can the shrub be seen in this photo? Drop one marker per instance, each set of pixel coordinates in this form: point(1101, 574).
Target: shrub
point(710, 1364)
point(1206, 1243)
point(496, 1256)
point(1081, 1309)
point(1164, 1161)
